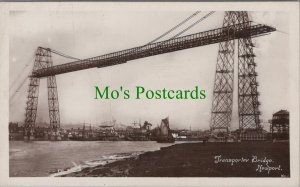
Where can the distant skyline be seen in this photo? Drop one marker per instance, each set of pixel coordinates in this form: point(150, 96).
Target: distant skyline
point(89, 34)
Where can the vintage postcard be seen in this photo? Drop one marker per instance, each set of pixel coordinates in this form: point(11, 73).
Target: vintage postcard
point(149, 94)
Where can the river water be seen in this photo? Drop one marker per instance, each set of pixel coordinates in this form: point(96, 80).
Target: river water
point(46, 158)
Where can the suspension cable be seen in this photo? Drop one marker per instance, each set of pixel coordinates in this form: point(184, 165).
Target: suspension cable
point(18, 89)
point(195, 23)
point(21, 72)
point(172, 29)
point(169, 31)
point(63, 55)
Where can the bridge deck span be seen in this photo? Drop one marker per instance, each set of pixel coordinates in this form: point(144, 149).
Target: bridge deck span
point(185, 42)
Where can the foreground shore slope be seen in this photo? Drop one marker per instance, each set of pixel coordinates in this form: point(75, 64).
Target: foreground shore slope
point(200, 160)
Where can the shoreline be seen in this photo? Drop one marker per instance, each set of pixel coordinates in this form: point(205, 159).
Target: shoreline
point(105, 160)
point(199, 160)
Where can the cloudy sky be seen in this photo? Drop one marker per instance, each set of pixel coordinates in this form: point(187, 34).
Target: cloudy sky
point(89, 34)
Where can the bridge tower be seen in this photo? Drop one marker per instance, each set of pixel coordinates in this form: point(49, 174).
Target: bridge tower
point(43, 59)
point(221, 113)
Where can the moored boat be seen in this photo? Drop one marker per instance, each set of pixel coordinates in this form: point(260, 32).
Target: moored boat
point(164, 134)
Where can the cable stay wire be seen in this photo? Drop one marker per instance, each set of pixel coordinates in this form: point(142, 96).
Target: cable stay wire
point(186, 29)
point(175, 27)
point(172, 29)
point(161, 36)
point(169, 31)
point(195, 23)
point(63, 55)
point(18, 89)
point(22, 72)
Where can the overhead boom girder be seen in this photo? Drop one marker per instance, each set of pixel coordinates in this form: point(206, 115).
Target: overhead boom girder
point(185, 42)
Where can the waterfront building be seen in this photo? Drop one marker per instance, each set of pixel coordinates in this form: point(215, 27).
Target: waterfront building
point(280, 125)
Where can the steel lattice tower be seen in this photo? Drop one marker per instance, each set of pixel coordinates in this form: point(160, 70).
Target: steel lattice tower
point(224, 78)
point(43, 59)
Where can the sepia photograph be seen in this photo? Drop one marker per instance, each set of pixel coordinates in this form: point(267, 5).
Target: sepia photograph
point(152, 93)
